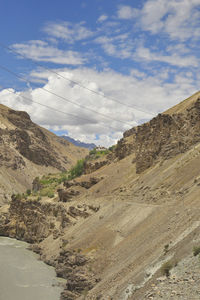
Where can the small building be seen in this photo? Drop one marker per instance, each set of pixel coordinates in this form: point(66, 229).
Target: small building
point(100, 148)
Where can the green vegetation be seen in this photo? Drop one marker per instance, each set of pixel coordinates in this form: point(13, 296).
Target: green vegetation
point(166, 248)
point(94, 154)
point(166, 267)
point(196, 250)
point(17, 196)
point(47, 184)
point(112, 148)
point(47, 192)
point(28, 192)
point(77, 170)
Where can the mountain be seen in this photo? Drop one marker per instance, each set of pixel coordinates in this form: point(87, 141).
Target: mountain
point(28, 150)
point(78, 143)
point(129, 227)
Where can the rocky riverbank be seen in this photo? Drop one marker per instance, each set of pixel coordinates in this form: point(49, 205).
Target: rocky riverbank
point(42, 224)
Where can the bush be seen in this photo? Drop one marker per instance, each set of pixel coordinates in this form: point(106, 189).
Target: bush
point(93, 151)
point(112, 148)
point(77, 170)
point(166, 248)
point(17, 197)
point(166, 267)
point(28, 192)
point(47, 192)
point(196, 250)
point(63, 177)
point(50, 194)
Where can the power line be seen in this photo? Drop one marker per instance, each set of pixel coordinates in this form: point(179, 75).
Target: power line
point(63, 98)
point(135, 107)
point(54, 109)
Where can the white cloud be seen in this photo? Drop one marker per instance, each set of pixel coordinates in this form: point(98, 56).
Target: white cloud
point(136, 73)
point(174, 59)
point(117, 45)
point(126, 12)
point(67, 31)
point(102, 18)
point(179, 19)
point(150, 94)
point(42, 51)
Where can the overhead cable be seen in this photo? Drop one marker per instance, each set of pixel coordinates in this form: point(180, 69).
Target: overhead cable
point(135, 107)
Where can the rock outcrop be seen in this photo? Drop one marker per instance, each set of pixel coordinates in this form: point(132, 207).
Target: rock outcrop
point(165, 136)
point(92, 166)
point(33, 221)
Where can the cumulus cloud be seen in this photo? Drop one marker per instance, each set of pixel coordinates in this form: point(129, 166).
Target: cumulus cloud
point(179, 19)
point(42, 51)
point(67, 31)
point(153, 93)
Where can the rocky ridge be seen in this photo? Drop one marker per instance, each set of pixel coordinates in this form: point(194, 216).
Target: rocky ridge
point(163, 137)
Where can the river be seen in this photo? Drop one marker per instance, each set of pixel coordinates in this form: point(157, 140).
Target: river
point(23, 276)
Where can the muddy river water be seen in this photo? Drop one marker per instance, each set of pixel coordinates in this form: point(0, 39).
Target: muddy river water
point(23, 276)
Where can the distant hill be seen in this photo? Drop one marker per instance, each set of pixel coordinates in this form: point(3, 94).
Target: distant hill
point(79, 143)
point(28, 150)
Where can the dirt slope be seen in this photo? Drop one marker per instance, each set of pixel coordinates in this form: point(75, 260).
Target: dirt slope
point(27, 150)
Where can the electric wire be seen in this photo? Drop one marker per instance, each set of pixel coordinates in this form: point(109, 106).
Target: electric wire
point(64, 98)
point(135, 107)
point(59, 111)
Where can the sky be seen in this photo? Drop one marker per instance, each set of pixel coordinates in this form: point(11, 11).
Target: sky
point(92, 69)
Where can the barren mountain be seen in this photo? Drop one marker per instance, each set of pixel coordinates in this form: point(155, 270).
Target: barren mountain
point(110, 232)
point(27, 150)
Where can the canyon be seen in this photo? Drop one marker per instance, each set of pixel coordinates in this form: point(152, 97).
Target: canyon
point(109, 231)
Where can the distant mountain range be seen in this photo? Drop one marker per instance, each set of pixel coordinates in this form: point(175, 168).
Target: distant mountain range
point(79, 143)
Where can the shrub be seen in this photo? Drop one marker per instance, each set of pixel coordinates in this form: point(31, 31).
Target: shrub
point(63, 177)
point(28, 192)
point(93, 151)
point(50, 194)
point(77, 170)
point(196, 250)
point(17, 197)
point(166, 267)
point(47, 192)
point(166, 248)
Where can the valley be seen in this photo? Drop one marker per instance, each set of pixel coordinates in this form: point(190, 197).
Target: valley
point(109, 231)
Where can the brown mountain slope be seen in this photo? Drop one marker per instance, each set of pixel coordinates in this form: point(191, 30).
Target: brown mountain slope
point(182, 106)
point(27, 150)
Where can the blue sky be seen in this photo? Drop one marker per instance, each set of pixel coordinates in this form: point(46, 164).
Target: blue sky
point(141, 56)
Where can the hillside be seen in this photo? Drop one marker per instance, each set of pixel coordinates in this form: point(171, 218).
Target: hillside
point(27, 150)
point(109, 232)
